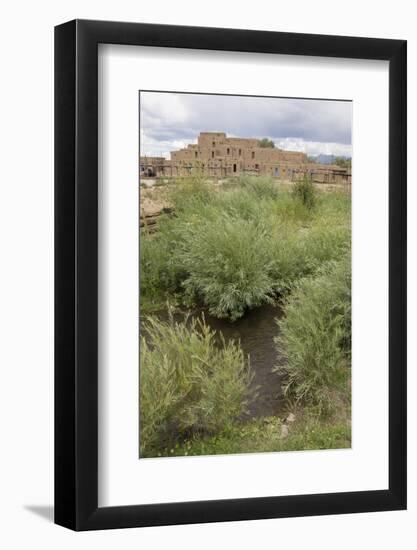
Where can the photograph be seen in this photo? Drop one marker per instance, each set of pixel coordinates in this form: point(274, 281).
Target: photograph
point(245, 274)
point(209, 334)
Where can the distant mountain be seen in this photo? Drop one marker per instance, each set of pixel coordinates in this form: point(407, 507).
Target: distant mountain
point(327, 159)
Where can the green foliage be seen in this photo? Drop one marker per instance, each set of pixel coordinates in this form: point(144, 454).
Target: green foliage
point(314, 339)
point(188, 194)
point(161, 273)
point(229, 265)
point(261, 187)
point(343, 162)
point(238, 247)
point(263, 435)
point(267, 143)
point(303, 190)
point(191, 381)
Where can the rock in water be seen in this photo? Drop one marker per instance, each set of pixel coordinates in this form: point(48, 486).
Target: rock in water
point(284, 431)
point(290, 418)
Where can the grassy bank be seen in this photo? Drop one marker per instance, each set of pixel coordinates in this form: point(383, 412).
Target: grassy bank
point(264, 435)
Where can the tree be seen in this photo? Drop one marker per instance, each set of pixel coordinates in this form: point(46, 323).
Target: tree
point(343, 162)
point(265, 142)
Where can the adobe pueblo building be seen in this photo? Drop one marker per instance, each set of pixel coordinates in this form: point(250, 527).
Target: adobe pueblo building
point(219, 156)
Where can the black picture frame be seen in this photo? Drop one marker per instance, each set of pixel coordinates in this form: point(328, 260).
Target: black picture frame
point(76, 273)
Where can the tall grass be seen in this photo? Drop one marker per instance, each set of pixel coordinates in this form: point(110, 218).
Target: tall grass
point(191, 382)
point(261, 187)
point(304, 191)
point(314, 339)
point(238, 247)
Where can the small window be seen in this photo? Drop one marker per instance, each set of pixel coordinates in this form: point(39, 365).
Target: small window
point(228, 151)
point(253, 154)
point(214, 144)
point(196, 154)
point(240, 152)
point(212, 154)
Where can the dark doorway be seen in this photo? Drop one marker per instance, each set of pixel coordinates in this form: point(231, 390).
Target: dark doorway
point(234, 168)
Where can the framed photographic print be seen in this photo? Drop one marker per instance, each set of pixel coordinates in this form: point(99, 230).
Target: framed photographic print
point(230, 254)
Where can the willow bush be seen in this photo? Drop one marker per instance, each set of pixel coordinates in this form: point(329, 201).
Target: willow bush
point(315, 339)
point(191, 382)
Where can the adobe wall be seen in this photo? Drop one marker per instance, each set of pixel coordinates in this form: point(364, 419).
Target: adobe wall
point(220, 156)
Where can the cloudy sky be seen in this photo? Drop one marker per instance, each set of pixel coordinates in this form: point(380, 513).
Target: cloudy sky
point(170, 121)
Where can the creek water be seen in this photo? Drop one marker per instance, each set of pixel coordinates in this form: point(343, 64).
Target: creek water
point(256, 331)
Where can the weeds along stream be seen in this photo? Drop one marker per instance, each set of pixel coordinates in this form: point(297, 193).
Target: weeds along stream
point(255, 333)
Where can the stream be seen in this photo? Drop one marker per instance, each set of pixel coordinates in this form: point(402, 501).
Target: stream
point(256, 331)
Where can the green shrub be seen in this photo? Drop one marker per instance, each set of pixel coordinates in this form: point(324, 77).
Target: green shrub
point(229, 266)
point(261, 187)
point(234, 249)
point(314, 339)
point(265, 142)
point(323, 243)
point(299, 253)
point(334, 206)
point(303, 190)
point(191, 381)
point(237, 204)
point(190, 194)
point(160, 273)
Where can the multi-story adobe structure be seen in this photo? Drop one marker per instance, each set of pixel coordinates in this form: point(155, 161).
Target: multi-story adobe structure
point(219, 156)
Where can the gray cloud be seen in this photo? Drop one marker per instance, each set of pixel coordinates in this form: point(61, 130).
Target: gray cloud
point(168, 118)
